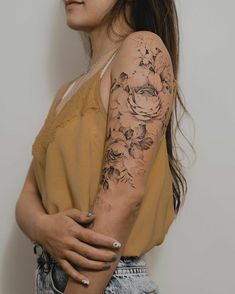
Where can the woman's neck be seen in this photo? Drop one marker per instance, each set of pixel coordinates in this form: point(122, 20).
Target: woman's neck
point(101, 43)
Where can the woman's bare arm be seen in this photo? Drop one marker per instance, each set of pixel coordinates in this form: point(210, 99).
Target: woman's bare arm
point(29, 211)
point(64, 235)
point(140, 104)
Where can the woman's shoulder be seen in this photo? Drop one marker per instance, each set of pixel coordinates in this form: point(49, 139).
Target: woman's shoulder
point(143, 34)
point(140, 44)
point(139, 53)
point(144, 38)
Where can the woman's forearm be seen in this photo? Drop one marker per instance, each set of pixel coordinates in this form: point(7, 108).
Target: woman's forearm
point(29, 210)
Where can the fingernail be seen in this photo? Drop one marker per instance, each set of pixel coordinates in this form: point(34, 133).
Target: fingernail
point(114, 257)
point(85, 282)
point(107, 266)
point(116, 244)
point(90, 213)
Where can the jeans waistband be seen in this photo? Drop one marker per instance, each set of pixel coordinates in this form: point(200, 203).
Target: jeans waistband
point(126, 264)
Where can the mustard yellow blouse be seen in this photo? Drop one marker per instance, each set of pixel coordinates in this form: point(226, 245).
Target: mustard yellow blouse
point(67, 157)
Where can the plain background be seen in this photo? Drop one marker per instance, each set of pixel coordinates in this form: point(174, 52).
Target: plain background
point(39, 52)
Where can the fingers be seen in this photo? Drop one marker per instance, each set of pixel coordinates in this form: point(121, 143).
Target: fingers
point(94, 238)
point(80, 216)
point(92, 253)
point(72, 272)
point(83, 262)
point(88, 235)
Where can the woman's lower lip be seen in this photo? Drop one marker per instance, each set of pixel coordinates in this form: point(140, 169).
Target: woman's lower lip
point(72, 5)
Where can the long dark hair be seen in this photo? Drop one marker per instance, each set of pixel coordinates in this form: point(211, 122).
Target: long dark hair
point(160, 17)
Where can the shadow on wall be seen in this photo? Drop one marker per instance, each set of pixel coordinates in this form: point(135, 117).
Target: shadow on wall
point(65, 60)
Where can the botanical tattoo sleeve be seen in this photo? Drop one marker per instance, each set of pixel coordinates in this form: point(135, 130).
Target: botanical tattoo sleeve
point(140, 103)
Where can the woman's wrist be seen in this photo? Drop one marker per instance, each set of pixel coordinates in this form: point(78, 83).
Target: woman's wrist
point(38, 226)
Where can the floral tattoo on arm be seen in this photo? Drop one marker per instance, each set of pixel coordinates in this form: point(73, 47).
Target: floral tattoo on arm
point(139, 111)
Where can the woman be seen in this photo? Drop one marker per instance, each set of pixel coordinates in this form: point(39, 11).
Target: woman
point(106, 147)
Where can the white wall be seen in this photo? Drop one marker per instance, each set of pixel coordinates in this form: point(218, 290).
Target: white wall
point(39, 53)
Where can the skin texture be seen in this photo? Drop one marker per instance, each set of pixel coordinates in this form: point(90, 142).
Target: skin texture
point(140, 105)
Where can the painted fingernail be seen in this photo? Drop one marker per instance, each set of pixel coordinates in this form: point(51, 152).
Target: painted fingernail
point(91, 213)
point(85, 282)
point(107, 266)
point(116, 244)
point(114, 257)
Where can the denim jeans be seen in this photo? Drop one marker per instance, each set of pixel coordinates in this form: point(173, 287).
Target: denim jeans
point(129, 277)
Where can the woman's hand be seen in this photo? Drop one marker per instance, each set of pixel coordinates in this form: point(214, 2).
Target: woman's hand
point(65, 237)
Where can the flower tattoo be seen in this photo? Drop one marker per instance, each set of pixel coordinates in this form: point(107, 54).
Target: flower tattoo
point(139, 111)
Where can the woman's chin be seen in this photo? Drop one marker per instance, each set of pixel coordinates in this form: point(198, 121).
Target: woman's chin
point(75, 25)
point(73, 22)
